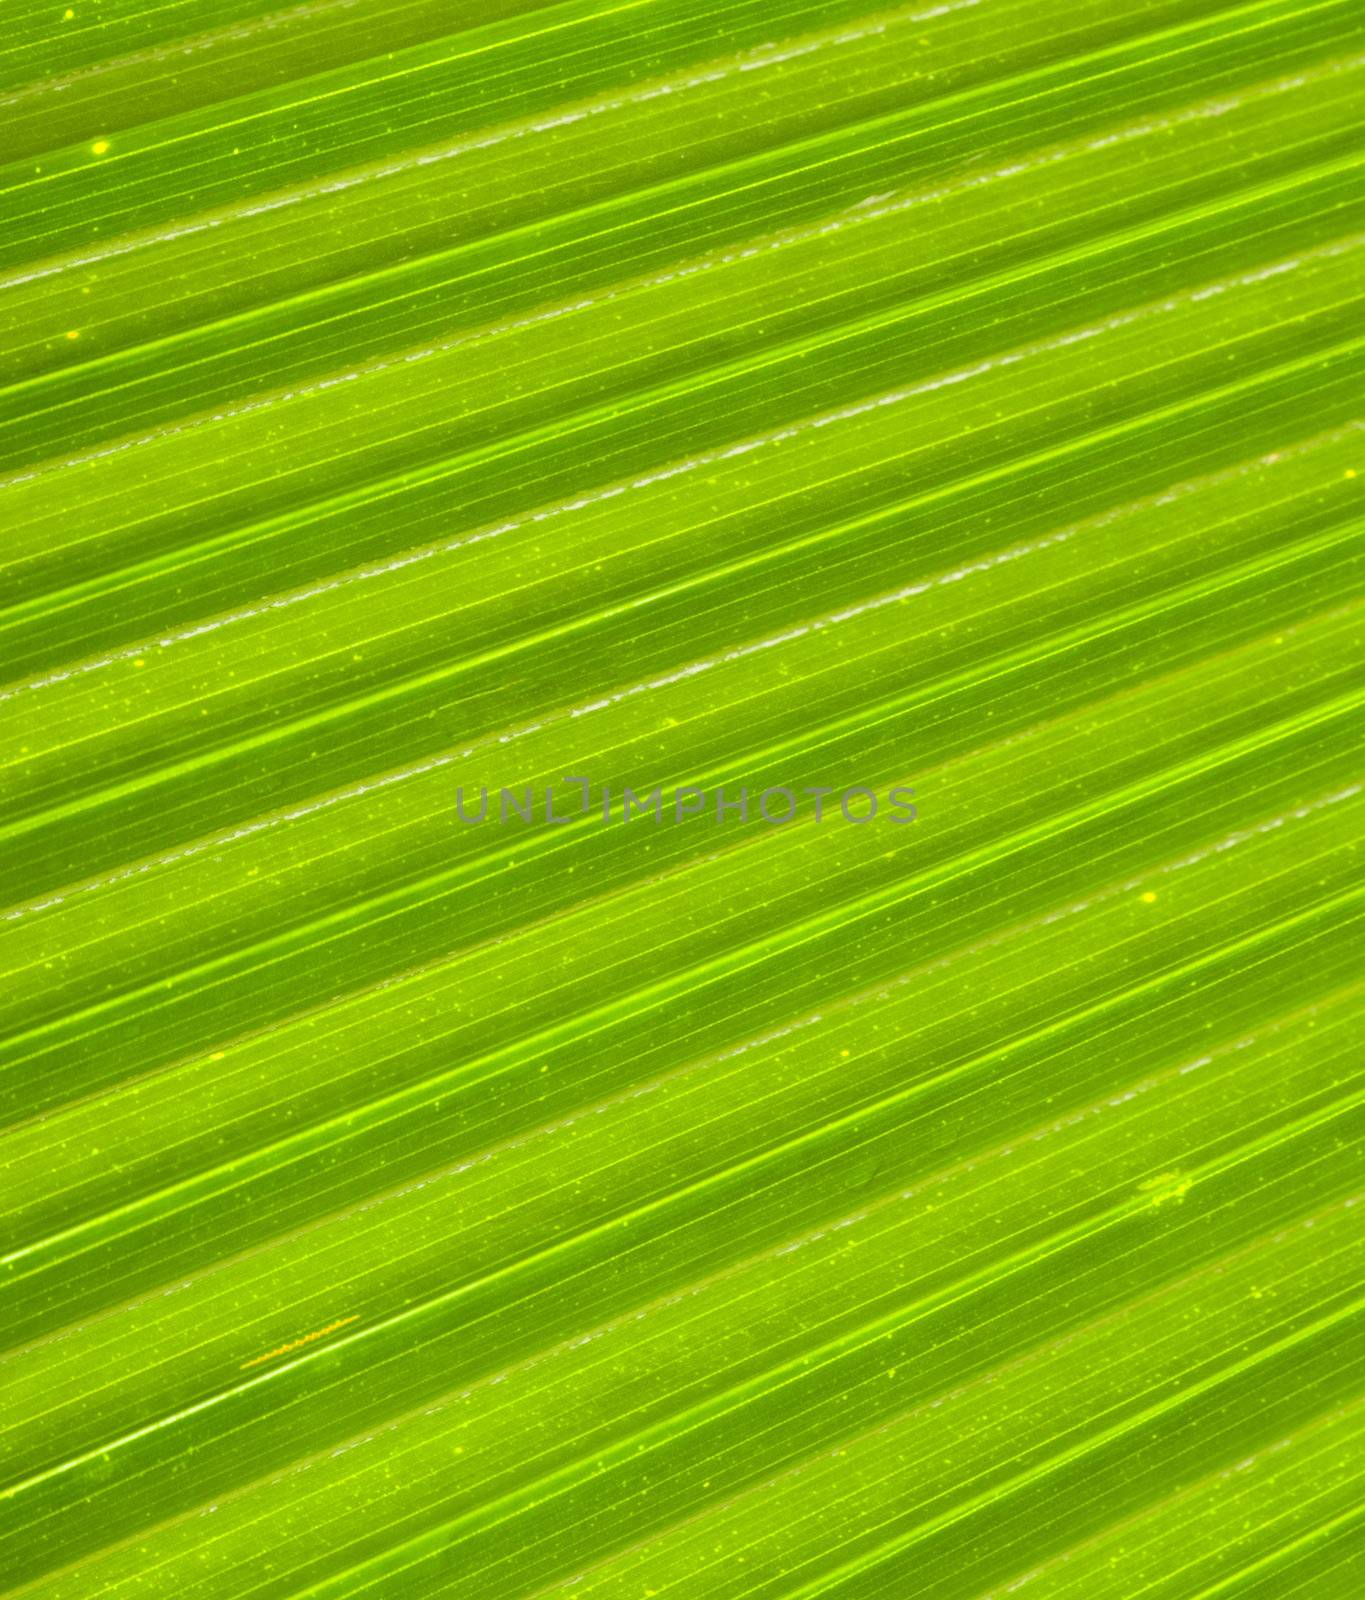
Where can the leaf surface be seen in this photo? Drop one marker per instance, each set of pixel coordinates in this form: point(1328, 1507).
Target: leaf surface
point(405, 403)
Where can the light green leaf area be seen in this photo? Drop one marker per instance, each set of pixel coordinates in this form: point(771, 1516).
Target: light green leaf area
point(403, 402)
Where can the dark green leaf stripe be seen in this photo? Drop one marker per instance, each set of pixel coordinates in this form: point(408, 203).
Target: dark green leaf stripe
point(401, 403)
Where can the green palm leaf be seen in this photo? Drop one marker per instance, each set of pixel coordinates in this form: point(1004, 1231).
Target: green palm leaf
point(404, 403)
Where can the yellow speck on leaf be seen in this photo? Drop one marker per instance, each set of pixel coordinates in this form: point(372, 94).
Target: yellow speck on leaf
point(1350, 472)
point(139, 661)
point(1167, 1186)
point(75, 333)
point(1149, 898)
point(100, 147)
point(298, 1344)
point(68, 14)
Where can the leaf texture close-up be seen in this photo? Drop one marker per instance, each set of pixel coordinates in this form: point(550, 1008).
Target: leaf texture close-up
point(680, 738)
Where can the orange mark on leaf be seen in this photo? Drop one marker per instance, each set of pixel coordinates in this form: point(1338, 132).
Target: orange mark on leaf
point(298, 1344)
